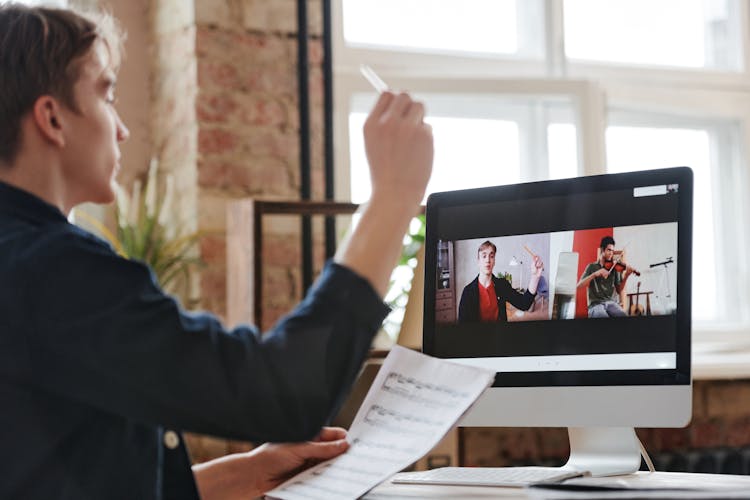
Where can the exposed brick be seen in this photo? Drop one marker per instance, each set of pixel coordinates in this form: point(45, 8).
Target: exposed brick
point(281, 251)
point(672, 439)
point(272, 315)
point(213, 249)
point(481, 446)
point(213, 285)
point(213, 12)
point(504, 446)
point(553, 443)
point(212, 42)
point(267, 176)
point(248, 85)
point(316, 88)
point(648, 438)
point(281, 286)
point(700, 389)
point(216, 306)
point(522, 444)
point(728, 399)
point(706, 434)
point(212, 173)
point(265, 49)
point(315, 54)
point(219, 74)
point(273, 143)
point(265, 111)
point(279, 80)
point(217, 141)
point(738, 432)
point(215, 108)
point(279, 15)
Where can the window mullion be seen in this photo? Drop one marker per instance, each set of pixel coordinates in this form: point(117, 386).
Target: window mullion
point(533, 137)
point(592, 124)
point(554, 30)
point(729, 182)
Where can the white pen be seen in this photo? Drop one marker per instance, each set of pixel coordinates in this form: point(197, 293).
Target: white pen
point(373, 78)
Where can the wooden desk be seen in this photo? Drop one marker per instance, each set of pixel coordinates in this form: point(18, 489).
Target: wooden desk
point(673, 480)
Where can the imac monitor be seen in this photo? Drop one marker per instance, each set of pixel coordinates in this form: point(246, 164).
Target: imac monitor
point(577, 293)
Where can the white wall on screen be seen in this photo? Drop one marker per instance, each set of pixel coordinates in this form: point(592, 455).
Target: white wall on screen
point(645, 245)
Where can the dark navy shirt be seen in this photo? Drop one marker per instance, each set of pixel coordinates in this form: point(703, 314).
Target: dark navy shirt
point(100, 370)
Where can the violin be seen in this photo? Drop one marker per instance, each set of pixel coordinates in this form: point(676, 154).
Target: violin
point(619, 267)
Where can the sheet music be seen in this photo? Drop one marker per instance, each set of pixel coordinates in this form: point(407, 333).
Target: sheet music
point(414, 400)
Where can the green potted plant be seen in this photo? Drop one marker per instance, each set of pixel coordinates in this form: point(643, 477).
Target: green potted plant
point(143, 232)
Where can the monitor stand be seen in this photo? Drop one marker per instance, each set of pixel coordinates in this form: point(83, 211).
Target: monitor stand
point(604, 451)
point(595, 451)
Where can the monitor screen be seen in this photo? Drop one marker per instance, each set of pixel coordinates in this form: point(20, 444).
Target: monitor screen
point(575, 282)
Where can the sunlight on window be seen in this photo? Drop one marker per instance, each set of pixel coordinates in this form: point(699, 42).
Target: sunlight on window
point(562, 150)
point(484, 26)
point(667, 32)
point(641, 148)
point(469, 153)
point(44, 3)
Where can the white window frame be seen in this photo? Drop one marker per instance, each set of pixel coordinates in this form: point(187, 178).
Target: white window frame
point(601, 93)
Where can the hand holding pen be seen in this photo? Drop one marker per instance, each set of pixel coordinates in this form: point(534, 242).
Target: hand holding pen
point(398, 143)
point(399, 152)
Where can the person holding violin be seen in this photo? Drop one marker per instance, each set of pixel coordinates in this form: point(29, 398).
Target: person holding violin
point(603, 278)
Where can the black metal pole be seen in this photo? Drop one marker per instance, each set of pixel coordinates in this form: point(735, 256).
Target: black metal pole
point(304, 139)
point(330, 222)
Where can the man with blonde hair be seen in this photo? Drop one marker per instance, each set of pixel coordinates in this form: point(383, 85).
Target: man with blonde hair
point(100, 370)
point(484, 298)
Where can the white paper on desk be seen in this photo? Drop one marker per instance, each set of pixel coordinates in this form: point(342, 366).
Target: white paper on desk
point(634, 494)
point(666, 481)
point(664, 485)
point(414, 400)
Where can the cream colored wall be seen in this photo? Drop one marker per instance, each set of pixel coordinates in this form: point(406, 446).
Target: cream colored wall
point(133, 92)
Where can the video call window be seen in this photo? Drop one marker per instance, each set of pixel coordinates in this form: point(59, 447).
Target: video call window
point(593, 273)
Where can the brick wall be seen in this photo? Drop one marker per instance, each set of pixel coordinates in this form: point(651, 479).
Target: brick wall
point(248, 145)
point(248, 134)
point(721, 418)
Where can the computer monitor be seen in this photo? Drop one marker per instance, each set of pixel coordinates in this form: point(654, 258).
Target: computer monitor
point(601, 355)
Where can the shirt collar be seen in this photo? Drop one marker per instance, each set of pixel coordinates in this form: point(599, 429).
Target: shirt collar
point(27, 206)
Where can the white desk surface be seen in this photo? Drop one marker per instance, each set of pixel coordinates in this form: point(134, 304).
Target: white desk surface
point(715, 482)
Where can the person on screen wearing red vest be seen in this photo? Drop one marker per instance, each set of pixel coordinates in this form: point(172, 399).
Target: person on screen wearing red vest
point(484, 299)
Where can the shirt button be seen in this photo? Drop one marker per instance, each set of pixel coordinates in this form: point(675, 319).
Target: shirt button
point(171, 440)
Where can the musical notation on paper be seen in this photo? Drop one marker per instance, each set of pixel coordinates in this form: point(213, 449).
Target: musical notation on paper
point(413, 402)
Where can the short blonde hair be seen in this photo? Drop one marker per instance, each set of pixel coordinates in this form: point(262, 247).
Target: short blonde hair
point(487, 244)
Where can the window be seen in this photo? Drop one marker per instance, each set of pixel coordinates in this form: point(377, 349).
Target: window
point(46, 3)
point(638, 148)
point(679, 33)
point(489, 27)
point(531, 90)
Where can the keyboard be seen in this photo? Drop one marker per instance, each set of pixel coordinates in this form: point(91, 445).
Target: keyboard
point(487, 476)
